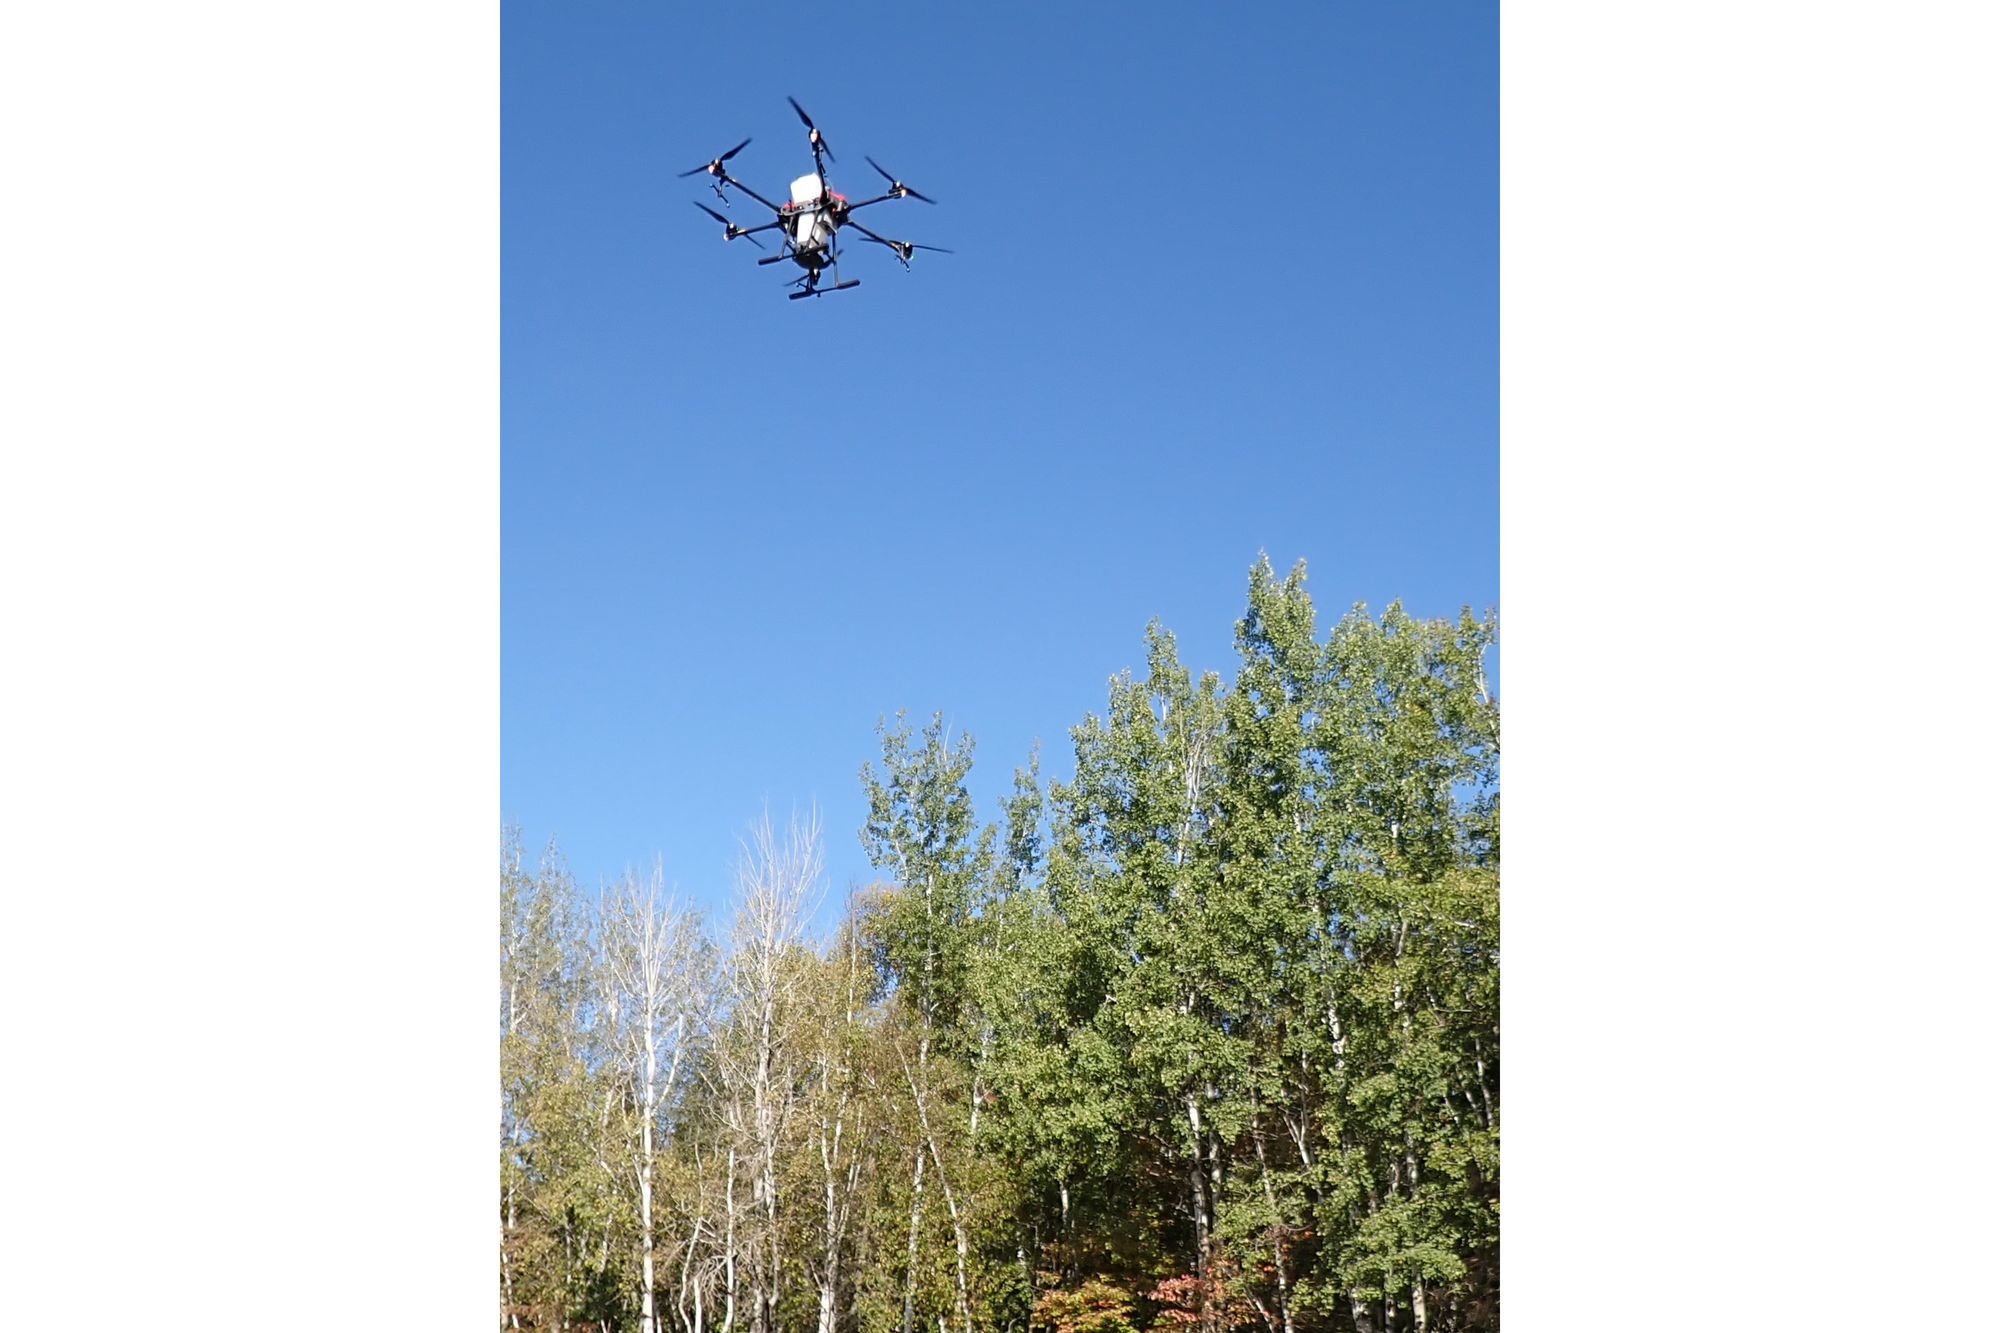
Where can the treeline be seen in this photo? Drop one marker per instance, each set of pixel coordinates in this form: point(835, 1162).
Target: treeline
point(1206, 1038)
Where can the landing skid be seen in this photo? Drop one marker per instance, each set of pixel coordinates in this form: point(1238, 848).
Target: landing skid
point(821, 291)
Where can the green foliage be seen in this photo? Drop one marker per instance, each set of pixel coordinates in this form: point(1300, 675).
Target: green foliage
point(1257, 1000)
point(560, 1206)
point(1206, 1035)
point(921, 830)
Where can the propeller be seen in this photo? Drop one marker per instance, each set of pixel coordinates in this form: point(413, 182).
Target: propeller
point(715, 168)
point(896, 187)
point(813, 136)
point(904, 249)
point(730, 231)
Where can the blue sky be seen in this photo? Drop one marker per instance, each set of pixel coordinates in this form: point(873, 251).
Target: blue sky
point(1226, 280)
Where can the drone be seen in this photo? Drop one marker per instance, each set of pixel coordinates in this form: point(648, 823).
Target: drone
point(810, 221)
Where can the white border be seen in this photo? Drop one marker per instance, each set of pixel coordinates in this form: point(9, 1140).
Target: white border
point(249, 371)
point(1748, 357)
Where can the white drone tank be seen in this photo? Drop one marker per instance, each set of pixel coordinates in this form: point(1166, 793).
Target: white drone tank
point(809, 229)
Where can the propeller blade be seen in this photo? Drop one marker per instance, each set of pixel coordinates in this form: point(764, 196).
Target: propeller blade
point(715, 168)
point(901, 249)
point(818, 140)
point(904, 249)
point(896, 186)
point(730, 231)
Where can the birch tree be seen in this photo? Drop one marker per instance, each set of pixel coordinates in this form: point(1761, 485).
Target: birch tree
point(757, 1053)
point(838, 1112)
point(557, 1204)
point(653, 976)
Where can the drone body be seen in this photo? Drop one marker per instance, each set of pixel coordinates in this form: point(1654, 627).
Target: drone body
point(810, 221)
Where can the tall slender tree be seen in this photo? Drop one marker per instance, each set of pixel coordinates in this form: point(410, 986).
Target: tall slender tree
point(922, 830)
point(758, 1054)
point(655, 989)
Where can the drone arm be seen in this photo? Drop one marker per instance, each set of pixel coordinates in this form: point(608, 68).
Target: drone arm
point(879, 240)
point(876, 200)
point(731, 180)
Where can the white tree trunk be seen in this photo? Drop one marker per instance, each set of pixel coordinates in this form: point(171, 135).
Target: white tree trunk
point(835, 1099)
point(962, 1305)
point(1198, 1199)
point(839, 1196)
point(651, 994)
point(508, 1317)
point(916, 1214)
point(757, 1051)
point(729, 1248)
point(1277, 1240)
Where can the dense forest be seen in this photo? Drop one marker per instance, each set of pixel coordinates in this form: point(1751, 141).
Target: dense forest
point(1204, 1039)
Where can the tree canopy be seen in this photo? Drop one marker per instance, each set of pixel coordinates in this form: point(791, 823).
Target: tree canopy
point(1205, 1036)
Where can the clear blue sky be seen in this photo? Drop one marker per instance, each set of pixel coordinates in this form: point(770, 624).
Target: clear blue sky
point(1226, 281)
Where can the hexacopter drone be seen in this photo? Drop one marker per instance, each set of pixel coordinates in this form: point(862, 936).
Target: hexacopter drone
point(811, 220)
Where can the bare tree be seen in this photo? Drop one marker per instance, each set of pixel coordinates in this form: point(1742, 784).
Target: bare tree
point(654, 983)
point(756, 1059)
point(703, 1245)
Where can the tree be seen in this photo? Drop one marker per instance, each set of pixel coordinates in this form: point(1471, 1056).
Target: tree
point(654, 975)
point(560, 1209)
point(1275, 910)
point(756, 1050)
point(922, 830)
point(1204, 1038)
point(1135, 867)
point(841, 987)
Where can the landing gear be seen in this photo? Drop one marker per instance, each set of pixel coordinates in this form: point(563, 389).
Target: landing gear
point(821, 291)
point(809, 284)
